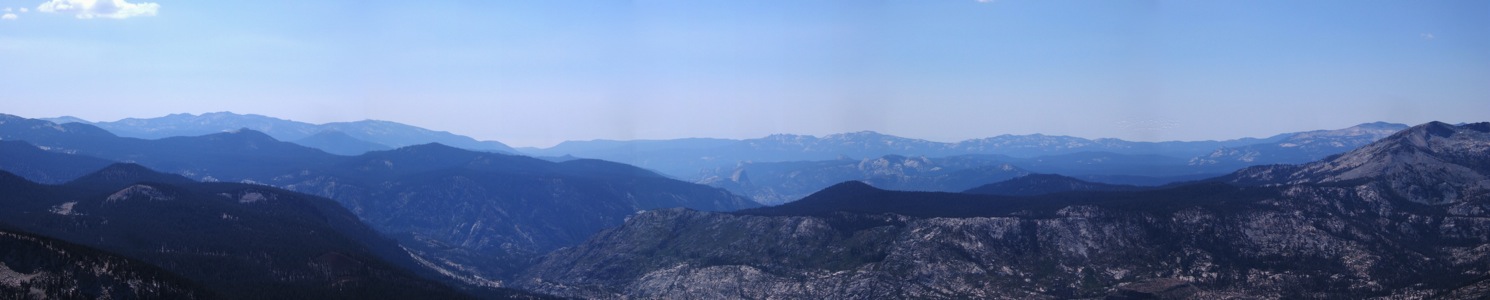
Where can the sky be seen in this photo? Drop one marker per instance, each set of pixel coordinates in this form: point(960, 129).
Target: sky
point(535, 73)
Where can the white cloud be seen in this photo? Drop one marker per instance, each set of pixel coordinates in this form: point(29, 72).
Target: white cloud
point(1426, 36)
point(23, 9)
point(8, 16)
point(88, 9)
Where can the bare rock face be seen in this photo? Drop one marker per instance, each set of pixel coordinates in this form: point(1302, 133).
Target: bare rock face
point(1322, 230)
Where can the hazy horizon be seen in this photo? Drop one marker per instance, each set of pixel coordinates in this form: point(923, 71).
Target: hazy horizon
point(533, 74)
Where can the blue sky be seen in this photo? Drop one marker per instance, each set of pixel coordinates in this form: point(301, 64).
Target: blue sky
point(533, 73)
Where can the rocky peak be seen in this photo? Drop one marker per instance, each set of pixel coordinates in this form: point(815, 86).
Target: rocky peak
point(1433, 163)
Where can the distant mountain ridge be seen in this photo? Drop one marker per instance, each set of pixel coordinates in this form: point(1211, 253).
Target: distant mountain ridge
point(693, 159)
point(781, 147)
point(771, 160)
point(780, 182)
point(339, 143)
point(690, 159)
point(775, 183)
point(366, 134)
point(40, 165)
point(235, 155)
point(1301, 147)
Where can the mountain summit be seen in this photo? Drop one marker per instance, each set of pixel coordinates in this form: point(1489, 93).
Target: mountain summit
point(1433, 163)
point(128, 173)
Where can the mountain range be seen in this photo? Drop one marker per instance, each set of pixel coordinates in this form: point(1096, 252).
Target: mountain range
point(782, 168)
point(345, 138)
point(705, 160)
point(1403, 217)
point(683, 157)
point(780, 182)
point(1375, 210)
point(476, 216)
point(1301, 147)
point(774, 183)
point(696, 159)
